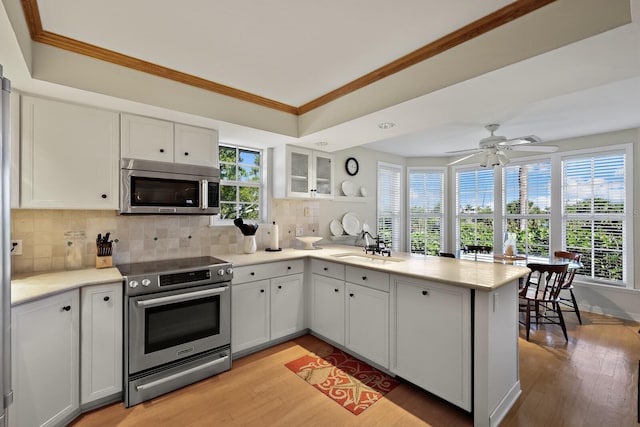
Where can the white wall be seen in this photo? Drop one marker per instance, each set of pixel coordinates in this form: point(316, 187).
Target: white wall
point(363, 207)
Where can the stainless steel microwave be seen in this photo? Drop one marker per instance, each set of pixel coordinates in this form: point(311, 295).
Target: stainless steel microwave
point(148, 187)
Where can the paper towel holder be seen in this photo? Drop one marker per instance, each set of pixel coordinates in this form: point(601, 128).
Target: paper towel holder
point(278, 248)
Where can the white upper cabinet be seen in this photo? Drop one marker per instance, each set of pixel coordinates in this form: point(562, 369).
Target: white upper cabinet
point(308, 173)
point(69, 156)
point(195, 146)
point(146, 138)
point(153, 139)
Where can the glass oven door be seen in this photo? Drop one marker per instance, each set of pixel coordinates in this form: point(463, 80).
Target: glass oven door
point(167, 326)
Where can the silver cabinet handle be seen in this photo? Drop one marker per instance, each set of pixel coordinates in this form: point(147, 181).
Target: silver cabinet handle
point(180, 297)
point(161, 381)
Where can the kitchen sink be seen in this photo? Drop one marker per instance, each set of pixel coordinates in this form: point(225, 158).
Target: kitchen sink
point(374, 259)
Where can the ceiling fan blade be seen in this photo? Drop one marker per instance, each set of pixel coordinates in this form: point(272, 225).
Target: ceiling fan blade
point(538, 148)
point(529, 139)
point(464, 158)
point(467, 151)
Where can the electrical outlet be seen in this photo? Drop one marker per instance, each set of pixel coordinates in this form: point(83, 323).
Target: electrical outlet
point(306, 211)
point(299, 231)
point(16, 247)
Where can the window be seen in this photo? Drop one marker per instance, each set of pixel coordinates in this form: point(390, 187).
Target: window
point(527, 206)
point(240, 182)
point(390, 204)
point(594, 214)
point(426, 211)
point(474, 207)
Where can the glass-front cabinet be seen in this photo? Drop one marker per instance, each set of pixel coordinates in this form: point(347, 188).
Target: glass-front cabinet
point(302, 173)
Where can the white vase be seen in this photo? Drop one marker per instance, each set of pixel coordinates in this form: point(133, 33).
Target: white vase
point(250, 244)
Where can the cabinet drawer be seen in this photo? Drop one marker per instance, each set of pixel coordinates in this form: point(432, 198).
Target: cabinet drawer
point(328, 268)
point(370, 278)
point(251, 273)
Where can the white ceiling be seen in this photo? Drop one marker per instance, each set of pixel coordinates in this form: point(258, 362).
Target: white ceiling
point(294, 51)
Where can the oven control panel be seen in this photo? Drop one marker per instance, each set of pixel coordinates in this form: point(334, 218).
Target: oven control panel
point(148, 283)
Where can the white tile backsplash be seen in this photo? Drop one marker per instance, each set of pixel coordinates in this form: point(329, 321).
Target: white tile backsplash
point(145, 237)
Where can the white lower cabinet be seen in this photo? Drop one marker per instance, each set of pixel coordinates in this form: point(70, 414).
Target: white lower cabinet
point(367, 323)
point(45, 366)
point(250, 316)
point(267, 303)
point(327, 307)
point(101, 342)
point(431, 337)
point(287, 306)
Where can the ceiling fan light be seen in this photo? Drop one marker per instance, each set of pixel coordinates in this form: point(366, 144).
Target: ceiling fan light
point(502, 158)
point(485, 160)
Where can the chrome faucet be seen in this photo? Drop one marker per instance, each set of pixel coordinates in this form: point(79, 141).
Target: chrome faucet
point(378, 247)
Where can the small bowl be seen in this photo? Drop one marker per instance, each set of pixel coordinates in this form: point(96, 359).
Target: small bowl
point(309, 241)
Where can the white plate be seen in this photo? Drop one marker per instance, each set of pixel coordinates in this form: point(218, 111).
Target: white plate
point(351, 224)
point(349, 188)
point(363, 192)
point(336, 228)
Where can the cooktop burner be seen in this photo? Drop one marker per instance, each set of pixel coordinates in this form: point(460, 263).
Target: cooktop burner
point(169, 265)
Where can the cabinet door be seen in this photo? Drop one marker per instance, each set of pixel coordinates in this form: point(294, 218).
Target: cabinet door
point(101, 342)
point(323, 173)
point(45, 367)
point(299, 171)
point(70, 156)
point(195, 146)
point(250, 315)
point(146, 138)
point(432, 334)
point(367, 325)
point(327, 308)
point(287, 305)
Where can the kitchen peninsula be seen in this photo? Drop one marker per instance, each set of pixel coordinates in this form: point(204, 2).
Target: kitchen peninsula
point(452, 324)
point(447, 325)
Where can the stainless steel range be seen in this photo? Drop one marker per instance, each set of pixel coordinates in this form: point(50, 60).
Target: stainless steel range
point(177, 324)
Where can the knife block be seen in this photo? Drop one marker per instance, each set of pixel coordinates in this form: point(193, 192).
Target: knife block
point(104, 261)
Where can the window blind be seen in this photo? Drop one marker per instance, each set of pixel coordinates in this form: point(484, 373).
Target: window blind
point(594, 203)
point(390, 204)
point(527, 206)
point(426, 202)
point(474, 207)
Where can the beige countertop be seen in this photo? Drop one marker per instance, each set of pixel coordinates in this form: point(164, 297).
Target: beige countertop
point(25, 288)
point(470, 274)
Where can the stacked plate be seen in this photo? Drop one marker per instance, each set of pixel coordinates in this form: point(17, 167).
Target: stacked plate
point(349, 188)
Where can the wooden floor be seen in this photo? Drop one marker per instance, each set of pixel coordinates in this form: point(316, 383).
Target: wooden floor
point(590, 381)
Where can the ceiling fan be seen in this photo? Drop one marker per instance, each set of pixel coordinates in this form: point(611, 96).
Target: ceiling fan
point(493, 148)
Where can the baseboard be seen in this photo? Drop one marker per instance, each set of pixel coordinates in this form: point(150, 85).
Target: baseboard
point(500, 411)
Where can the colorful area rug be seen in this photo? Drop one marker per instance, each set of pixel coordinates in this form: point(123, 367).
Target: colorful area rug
point(350, 382)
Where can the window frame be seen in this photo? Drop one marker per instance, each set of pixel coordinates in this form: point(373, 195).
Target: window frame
point(443, 215)
point(399, 217)
point(493, 216)
point(628, 263)
point(529, 160)
point(260, 185)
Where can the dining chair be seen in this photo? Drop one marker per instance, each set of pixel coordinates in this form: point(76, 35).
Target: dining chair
point(540, 295)
point(568, 284)
point(446, 255)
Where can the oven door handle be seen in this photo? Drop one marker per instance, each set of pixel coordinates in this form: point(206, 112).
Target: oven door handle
point(161, 381)
point(181, 297)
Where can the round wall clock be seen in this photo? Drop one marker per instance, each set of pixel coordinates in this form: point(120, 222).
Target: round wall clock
point(352, 166)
